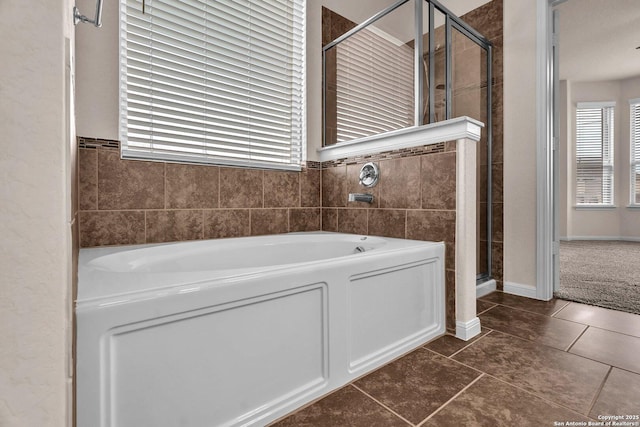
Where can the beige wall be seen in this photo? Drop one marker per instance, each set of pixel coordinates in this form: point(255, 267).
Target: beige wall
point(520, 142)
point(35, 213)
point(620, 222)
point(97, 83)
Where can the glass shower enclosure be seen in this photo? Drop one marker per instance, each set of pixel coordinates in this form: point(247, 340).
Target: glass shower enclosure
point(412, 64)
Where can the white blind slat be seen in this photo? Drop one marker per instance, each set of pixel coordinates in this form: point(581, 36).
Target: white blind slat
point(213, 82)
point(634, 108)
point(594, 154)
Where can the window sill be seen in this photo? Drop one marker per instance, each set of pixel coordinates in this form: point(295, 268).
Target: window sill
point(416, 136)
point(633, 206)
point(595, 207)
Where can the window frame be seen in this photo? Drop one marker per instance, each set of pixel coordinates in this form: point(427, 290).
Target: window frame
point(610, 166)
point(283, 144)
point(634, 156)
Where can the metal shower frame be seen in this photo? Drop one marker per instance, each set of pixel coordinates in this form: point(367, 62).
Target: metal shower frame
point(451, 22)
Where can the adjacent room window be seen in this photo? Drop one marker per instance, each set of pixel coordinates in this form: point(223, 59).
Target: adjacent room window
point(634, 107)
point(217, 82)
point(594, 153)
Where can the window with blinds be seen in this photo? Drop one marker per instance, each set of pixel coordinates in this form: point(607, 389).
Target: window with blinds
point(634, 107)
point(374, 75)
point(594, 153)
point(217, 82)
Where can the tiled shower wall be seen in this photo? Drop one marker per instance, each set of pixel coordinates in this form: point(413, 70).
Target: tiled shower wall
point(128, 201)
point(488, 20)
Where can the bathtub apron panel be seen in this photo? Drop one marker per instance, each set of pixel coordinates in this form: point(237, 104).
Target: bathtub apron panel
point(245, 346)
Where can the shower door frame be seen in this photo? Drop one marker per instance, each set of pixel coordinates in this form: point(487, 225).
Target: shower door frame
point(451, 22)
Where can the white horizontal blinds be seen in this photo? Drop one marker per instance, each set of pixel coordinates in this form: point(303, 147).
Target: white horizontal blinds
point(374, 78)
point(634, 107)
point(213, 81)
point(594, 153)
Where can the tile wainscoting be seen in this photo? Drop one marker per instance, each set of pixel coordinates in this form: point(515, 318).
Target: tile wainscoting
point(125, 202)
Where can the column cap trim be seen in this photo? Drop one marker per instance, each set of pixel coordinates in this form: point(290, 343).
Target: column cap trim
point(448, 130)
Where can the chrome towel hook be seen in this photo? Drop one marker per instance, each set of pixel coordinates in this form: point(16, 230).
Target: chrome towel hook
point(97, 21)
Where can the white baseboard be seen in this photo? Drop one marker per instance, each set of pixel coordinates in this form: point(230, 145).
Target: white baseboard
point(485, 288)
point(467, 330)
point(620, 238)
point(520, 290)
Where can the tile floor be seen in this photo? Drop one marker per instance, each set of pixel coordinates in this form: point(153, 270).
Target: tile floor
point(535, 364)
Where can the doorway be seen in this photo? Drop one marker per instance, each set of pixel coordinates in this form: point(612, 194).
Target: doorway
point(575, 220)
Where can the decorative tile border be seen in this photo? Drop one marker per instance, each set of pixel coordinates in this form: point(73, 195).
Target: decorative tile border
point(94, 143)
point(440, 147)
point(112, 144)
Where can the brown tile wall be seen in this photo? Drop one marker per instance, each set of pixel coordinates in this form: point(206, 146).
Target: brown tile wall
point(414, 199)
point(129, 201)
point(488, 20)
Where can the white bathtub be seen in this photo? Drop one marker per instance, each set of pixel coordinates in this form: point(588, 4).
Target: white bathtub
point(242, 331)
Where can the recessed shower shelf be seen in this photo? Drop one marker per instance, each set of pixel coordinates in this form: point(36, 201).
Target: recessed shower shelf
point(433, 133)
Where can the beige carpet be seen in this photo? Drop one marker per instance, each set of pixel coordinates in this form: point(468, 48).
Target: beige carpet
point(602, 273)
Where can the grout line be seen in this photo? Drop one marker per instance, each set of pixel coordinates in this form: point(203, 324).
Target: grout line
point(534, 341)
point(597, 395)
point(382, 404)
point(541, 397)
point(615, 332)
point(484, 311)
point(577, 338)
point(306, 405)
point(263, 185)
point(452, 399)
point(560, 309)
point(97, 180)
point(164, 185)
point(405, 228)
point(519, 308)
point(455, 361)
point(145, 226)
point(219, 188)
point(471, 343)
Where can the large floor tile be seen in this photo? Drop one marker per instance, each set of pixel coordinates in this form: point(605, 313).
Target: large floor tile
point(545, 330)
point(558, 376)
point(489, 402)
point(449, 344)
point(417, 384)
point(609, 347)
point(603, 318)
point(345, 407)
point(529, 304)
point(619, 396)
